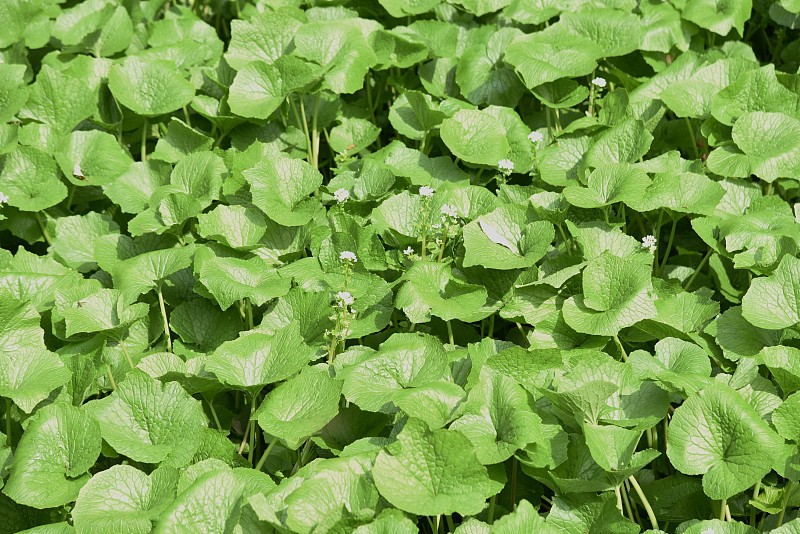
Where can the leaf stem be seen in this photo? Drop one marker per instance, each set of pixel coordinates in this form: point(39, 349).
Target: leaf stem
point(450, 333)
point(186, 117)
point(697, 271)
point(692, 136)
point(264, 456)
point(621, 349)
point(144, 141)
point(756, 490)
point(450, 526)
point(315, 133)
point(309, 150)
point(214, 413)
point(669, 247)
point(647, 508)
point(722, 505)
point(513, 482)
point(164, 316)
point(253, 400)
point(111, 377)
point(490, 512)
point(42, 228)
point(8, 421)
point(787, 491)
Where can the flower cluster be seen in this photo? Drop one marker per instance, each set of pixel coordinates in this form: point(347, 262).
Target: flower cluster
point(348, 257)
point(341, 195)
point(649, 242)
point(599, 82)
point(506, 166)
point(536, 137)
point(426, 191)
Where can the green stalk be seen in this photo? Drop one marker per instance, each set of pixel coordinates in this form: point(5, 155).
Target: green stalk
point(450, 333)
point(513, 482)
point(756, 490)
point(144, 141)
point(310, 149)
point(111, 377)
point(444, 244)
point(699, 268)
point(490, 512)
point(8, 421)
point(248, 310)
point(669, 246)
point(253, 400)
point(621, 349)
point(264, 456)
point(164, 316)
point(692, 136)
point(450, 526)
point(647, 508)
point(42, 228)
point(315, 133)
point(618, 493)
point(186, 117)
point(787, 491)
point(214, 413)
point(722, 505)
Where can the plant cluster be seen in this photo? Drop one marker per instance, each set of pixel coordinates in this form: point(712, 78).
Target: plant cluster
point(398, 266)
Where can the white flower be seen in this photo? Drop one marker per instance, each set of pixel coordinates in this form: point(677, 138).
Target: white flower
point(345, 298)
point(408, 252)
point(506, 165)
point(341, 195)
point(348, 256)
point(436, 226)
point(4, 198)
point(536, 137)
point(649, 242)
point(426, 191)
point(449, 211)
point(599, 82)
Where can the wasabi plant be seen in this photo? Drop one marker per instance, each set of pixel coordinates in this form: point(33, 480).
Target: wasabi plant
point(305, 266)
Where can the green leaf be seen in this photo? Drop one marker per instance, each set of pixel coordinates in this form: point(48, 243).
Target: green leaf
point(60, 444)
point(211, 503)
point(264, 37)
point(133, 189)
point(259, 89)
point(433, 472)
point(28, 371)
point(609, 184)
point(256, 359)
point(550, 55)
point(482, 75)
point(231, 279)
point(764, 147)
point(718, 17)
point(475, 137)
point(28, 277)
point(75, 235)
point(123, 498)
point(686, 192)
point(754, 90)
point(497, 418)
point(679, 365)
point(432, 289)
point(287, 202)
point(201, 323)
point(625, 142)
point(59, 100)
point(436, 403)
point(403, 361)
point(104, 310)
point(150, 422)
point(617, 293)
point(30, 180)
point(301, 406)
point(180, 141)
point(239, 227)
point(506, 239)
point(140, 274)
point(149, 87)
point(614, 32)
point(768, 304)
point(737, 446)
point(415, 114)
point(13, 91)
point(97, 155)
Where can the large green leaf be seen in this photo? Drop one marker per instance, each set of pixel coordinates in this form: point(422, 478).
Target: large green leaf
point(149, 87)
point(150, 422)
point(287, 202)
point(772, 301)
point(51, 462)
point(28, 371)
point(122, 498)
point(476, 137)
point(30, 180)
point(617, 293)
point(301, 406)
point(256, 359)
point(717, 434)
point(433, 472)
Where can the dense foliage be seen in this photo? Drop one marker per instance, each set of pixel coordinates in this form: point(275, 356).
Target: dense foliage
point(474, 266)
